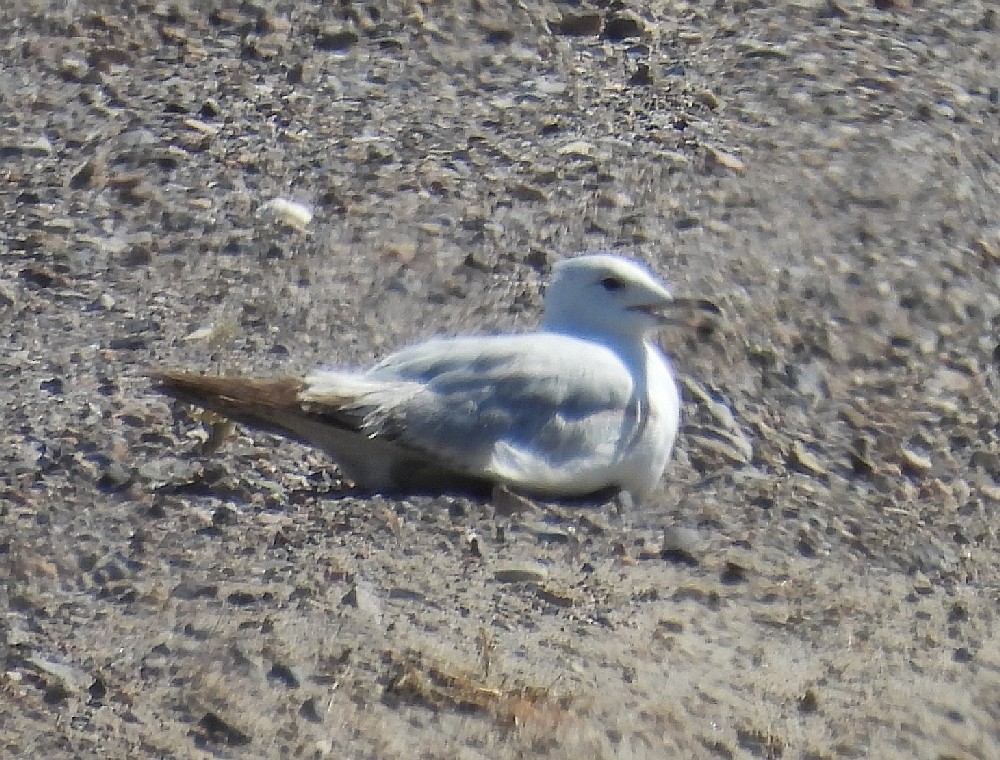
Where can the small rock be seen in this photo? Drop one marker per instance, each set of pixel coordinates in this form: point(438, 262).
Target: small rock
point(499, 36)
point(85, 175)
point(804, 460)
point(73, 69)
point(223, 516)
point(285, 675)
point(97, 690)
point(735, 449)
point(719, 161)
point(210, 109)
point(8, 297)
point(287, 212)
point(958, 613)
point(922, 584)
point(989, 248)
point(521, 574)
point(43, 277)
point(201, 127)
point(595, 523)
point(310, 711)
point(699, 594)
point(32, 146)
point(708, 99)
point(733, 574)
point(681, 545)
point(362, 596)
point(807, 543)
point(242, 598)
point(809, 702)
point(335, 39)
point(298, 73)
point(914, 463)
point(550, 86)
point(220, 731)
point(932, 556)
point(400, 593)
point(546, 533)
point(17, 635)
point(111, 568)
point(623, 25)
point(188, 589)
point(128, 343)
point(987, 460)
point(475, 544)
point(580, 148)
point(891, 5)
point(947, 380)
point(507, 503)
point(578, 24)
point(642, 76)
point(834, 9)
point(989, 21)
point(115, 477)
point(53, 385)
point(757, 50)
point(529, 193)
point(62, 680)
point(555, 597)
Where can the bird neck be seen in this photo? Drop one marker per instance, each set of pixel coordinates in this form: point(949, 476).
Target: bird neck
point(634, 350)
point(602, 331)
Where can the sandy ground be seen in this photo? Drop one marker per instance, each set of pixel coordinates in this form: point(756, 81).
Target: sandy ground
point(818, 575)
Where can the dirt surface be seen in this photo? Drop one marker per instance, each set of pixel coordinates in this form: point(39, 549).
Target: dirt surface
point(816, 578)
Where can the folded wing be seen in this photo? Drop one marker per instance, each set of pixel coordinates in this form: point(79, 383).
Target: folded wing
point(548, 413)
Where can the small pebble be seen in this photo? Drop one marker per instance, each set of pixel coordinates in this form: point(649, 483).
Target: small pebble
point(521, 574)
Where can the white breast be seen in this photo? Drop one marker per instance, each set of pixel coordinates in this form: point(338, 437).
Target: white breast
point(648, 458)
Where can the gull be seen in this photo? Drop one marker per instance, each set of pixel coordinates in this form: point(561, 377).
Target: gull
point(586, 405)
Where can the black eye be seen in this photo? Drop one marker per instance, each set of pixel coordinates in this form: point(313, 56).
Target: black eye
point(612, 283)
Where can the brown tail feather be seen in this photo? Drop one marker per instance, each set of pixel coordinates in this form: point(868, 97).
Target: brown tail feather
point(252, 401)
point(274, 406)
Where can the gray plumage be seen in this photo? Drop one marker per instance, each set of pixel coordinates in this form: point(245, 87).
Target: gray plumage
point(586, 404)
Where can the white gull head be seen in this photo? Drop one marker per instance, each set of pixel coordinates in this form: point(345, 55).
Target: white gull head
point(601, 295)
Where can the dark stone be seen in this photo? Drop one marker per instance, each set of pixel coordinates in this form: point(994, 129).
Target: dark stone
point(115, 477)
point(622, 26)
point(334, 39)
point(218, 730)
point(642, 77)
point(242, 598)
point(285, 675)
point(310, 712)
point(578, 24)
point(733, 574)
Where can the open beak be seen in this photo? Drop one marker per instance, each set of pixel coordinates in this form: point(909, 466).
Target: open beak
point(690, 312)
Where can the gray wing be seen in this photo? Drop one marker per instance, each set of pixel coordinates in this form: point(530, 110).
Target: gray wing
point(543, 411)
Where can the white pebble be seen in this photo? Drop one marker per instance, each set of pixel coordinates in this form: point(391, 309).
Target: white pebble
point(292, 213)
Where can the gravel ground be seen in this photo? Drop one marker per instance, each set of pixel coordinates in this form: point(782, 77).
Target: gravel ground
point(816, 578)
